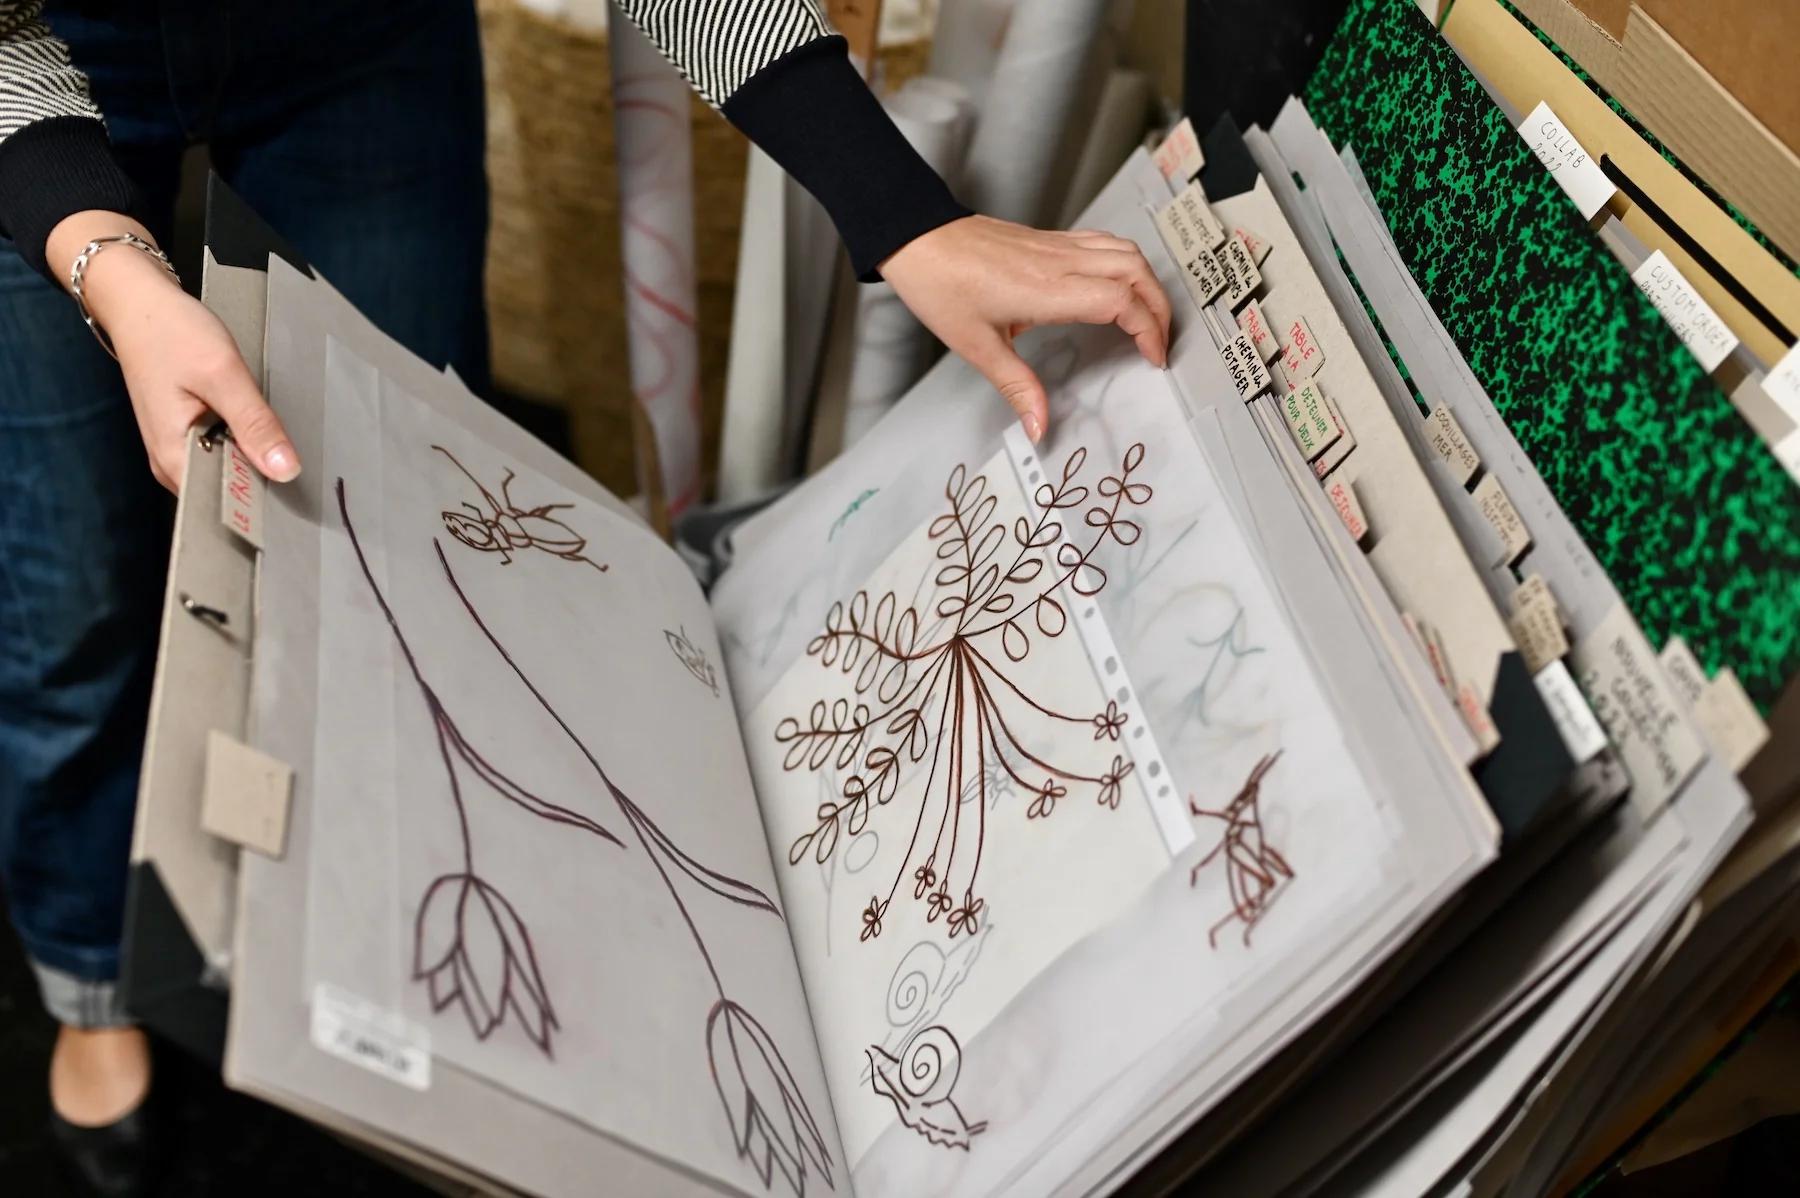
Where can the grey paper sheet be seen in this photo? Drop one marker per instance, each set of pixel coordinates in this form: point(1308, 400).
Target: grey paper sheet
point(1066, 1111)
point(646, 1107)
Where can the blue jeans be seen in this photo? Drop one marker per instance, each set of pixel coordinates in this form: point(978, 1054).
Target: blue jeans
point(357, 131)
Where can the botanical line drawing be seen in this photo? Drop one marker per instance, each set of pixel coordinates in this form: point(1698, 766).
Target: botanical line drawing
point(988, 615)
point(693, 657)
point(505, 527)
point(1255, 872)
point(919, 1084)
point(473, 948)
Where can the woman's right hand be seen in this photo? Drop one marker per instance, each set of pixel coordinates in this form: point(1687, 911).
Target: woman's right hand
point(181, 366)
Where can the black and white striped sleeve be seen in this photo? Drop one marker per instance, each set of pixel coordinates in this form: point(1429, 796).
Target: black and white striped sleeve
point(778, 72)
point(54, 157)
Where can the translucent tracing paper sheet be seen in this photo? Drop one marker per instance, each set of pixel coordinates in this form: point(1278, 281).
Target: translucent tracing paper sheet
point(533, 839)
point(986, 1036)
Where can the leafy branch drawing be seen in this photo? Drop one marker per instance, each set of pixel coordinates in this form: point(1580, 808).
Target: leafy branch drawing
point(988, 615)
point(473, 949)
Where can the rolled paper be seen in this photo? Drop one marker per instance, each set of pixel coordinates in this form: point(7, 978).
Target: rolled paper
point(1117, 129)
point(756, 364)
point(656, 215)
point(966, 43)
point(892, 349)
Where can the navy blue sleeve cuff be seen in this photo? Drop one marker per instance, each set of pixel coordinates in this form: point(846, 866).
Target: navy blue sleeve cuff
point(812, 113)
point(52, 169)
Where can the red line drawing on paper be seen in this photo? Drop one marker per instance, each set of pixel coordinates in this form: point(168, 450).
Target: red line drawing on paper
point(505, 527)
point(772, 1126)
point(1255, 871)
point(986, 618)
point(919, 1084)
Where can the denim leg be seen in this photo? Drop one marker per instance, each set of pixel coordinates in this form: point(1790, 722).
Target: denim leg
point(374, 168)
point(83, 544)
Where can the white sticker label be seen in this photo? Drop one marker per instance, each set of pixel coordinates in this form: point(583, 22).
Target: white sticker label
point(1787, 452)
point(1692, 318)
point(364, 1034)
point(1782, 384)
point(1578, 174)
point(241, 495)
point(1575, 720)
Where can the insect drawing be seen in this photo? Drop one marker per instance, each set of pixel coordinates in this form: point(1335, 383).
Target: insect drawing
point(472, 947)
point(504, 527)
point(920, 1082)
point(694, 659)
point(946, 695)
point(1255, 872)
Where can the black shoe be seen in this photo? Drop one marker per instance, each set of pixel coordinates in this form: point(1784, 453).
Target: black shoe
point(115, 1160)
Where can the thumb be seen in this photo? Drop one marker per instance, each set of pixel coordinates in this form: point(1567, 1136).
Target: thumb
point(1018, 384)
point(233, 394)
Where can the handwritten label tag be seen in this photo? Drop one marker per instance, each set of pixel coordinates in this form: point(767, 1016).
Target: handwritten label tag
point(1256, 327)
point(1497, 508)
point(241, 495)
point(1728, 719)
point(1248, 374)
point(1536, 624)
point(1475, 714)
point(1178, 232)
point(1343, 497)
point(1448, 440)
point(1638, 707)
point(1692, 318)
point(1684, 670)
point(1782, 383)
point(1310, 420)
point(246, 795)
point(1242, 273)
point(1200, 214)
point(1575, 720)
point(1575, 172)
point(1203, 278)
point(1300, 354)
point(383, 1042)
point(1179, 157)
point(1259, 249)
point(1334, 457)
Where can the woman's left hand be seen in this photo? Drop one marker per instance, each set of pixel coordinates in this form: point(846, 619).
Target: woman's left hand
point(977, 283)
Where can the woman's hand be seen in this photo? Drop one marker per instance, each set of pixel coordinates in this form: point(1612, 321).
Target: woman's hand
point(180, 363)
point(977, 283)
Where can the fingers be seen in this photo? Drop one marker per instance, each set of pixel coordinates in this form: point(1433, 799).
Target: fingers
point(231, 392)
point(1016, 382)
point(1117, 258)
point(1091, 300)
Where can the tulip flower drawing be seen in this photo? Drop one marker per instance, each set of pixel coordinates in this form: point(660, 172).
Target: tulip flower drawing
point(472, 948)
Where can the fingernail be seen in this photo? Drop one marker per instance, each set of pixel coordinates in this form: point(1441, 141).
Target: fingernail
point(1034, 428)
point(280, 464)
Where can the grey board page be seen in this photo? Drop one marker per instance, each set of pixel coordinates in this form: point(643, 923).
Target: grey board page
point(1025, 1076)
point(493, 1126)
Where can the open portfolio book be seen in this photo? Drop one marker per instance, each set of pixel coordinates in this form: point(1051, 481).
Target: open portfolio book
point(1002, 810)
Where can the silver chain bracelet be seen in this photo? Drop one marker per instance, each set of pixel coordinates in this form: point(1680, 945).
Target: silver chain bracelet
point(78, 271)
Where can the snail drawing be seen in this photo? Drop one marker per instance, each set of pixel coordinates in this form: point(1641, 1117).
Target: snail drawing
point(919, 1084)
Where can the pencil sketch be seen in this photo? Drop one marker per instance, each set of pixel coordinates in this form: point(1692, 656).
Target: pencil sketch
point(989, 615)
point(693, 658)
point(920, 1083)
point(923, 983)
point(504, 526)
point(472, 947)
point(1255, 872)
